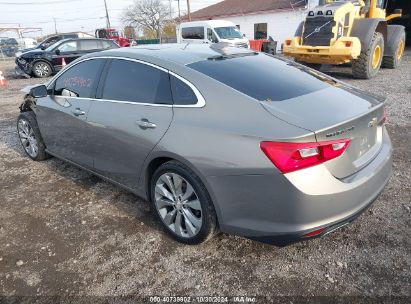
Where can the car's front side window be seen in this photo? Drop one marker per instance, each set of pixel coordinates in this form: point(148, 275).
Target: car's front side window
point(79, 80)
point(136, 82)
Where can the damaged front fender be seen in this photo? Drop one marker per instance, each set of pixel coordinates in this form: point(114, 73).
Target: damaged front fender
point(29, 102)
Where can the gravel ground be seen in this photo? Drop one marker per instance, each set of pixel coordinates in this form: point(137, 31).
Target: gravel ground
point(65, 232)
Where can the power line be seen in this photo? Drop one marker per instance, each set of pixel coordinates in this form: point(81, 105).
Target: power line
point(58, 19)
point(38, 3)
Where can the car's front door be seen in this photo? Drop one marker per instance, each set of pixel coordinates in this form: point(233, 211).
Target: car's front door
point(133, 111)
point(62, 116)
point(69, 51)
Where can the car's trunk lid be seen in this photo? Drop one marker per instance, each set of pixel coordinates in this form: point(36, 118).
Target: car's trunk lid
point(333, 113)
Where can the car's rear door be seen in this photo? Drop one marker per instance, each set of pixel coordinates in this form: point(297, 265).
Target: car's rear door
point(131, 114)
point(62, 116)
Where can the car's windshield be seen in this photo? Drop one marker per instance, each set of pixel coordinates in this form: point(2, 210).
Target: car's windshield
point(113, 34)
point(263, 77)
point(228, 32)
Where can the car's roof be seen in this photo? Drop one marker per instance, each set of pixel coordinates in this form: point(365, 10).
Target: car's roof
point(212, 23)
point(182, 54)
point(81, 39)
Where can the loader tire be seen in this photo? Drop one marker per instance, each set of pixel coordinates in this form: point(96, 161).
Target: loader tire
point(369, 62)
point(393, 62)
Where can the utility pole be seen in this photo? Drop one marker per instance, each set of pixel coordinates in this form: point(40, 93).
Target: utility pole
point(188, 10)
point(169, 2)
point(179, 14)
point(55, 25)
point(107, 17)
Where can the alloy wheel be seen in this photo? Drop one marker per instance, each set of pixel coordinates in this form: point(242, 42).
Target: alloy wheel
point(178, 205)
point(42, 69)
point(28, 138)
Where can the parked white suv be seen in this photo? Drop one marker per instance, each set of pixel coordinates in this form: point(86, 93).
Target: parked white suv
point(211, 31)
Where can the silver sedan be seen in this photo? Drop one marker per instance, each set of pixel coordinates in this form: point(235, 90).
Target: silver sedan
point(218, 139)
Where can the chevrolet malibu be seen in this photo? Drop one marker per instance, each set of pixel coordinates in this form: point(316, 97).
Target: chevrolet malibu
point(216, 138)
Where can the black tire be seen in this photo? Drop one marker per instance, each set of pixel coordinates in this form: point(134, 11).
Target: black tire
point(209, 225)
point(30, 119)
point(393, 62)
point(362, 67)
point(41, 69)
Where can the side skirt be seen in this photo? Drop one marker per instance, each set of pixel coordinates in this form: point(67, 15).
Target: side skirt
point(134, 191)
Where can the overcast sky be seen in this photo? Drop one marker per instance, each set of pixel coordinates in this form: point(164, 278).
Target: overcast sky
point(72, 15)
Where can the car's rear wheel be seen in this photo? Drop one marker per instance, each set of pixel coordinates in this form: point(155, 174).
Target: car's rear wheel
point(41, 69)
point(183, 204)
point(30, 136)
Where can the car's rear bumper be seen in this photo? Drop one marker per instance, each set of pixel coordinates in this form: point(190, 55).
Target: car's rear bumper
point(273, 209)
point(287, 239)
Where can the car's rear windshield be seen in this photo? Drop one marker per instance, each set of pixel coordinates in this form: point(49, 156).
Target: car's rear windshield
point(262, 77)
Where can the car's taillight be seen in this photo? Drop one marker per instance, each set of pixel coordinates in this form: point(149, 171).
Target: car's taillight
point(288, 157)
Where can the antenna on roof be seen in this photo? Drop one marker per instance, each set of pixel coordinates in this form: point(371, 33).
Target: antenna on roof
point(221, 47)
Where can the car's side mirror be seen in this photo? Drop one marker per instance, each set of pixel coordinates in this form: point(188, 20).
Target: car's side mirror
point(43, 47)
point(39, 91)
point(57, 52)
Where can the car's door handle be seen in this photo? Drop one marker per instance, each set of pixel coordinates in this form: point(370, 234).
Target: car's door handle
point(78, 112)
point(145, 124)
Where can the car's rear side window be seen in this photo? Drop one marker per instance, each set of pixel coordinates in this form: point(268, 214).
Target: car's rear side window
point(136, 82)
point(88, 45)
point(261, 76)
point(182, 93)
point(79, 80)
point(108, 44)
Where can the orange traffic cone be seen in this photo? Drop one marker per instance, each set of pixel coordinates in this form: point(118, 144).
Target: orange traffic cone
point(3, 81)
point(63, 63)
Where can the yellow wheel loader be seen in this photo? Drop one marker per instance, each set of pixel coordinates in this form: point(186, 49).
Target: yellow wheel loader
point(356, 31)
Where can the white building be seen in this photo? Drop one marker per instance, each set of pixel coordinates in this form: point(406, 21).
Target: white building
point(259, 19)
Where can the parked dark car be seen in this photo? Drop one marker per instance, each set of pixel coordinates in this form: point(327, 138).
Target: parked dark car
point(55, 38)
point(8, 46)
point(43, 63)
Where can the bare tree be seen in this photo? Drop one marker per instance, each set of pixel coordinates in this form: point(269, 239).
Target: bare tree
point(148, 15)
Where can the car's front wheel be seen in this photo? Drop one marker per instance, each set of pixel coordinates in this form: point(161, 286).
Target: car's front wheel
point(183, 204)
point(30, 136)
point(41, 69)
